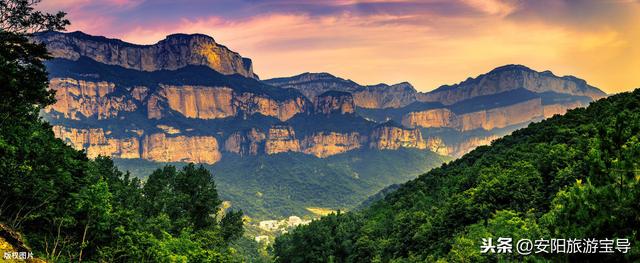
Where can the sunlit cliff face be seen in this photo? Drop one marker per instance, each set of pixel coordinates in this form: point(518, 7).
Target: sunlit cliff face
point(427, 43)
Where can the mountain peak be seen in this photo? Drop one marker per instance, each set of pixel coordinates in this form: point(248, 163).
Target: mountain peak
point(174, 52)
point(509, 77)
point(511, 67)
point(189, 36)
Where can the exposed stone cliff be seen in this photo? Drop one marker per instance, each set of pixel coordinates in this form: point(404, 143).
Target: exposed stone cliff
point(384, 96)
point(558, 108)
point(79, 98)
point(95, 142)
point(281, 138)
point(433, 118)
point(200, 102)
point(334, 102)
point(437, 145)
point(175, 51)
point(326, 144)
point(162, 148)
point(248, 142)
point(391, 137)
point(485, 119)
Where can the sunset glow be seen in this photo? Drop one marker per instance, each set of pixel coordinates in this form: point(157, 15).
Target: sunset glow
point(427, 43)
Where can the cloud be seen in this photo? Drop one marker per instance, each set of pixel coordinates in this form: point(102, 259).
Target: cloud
point(428, 43)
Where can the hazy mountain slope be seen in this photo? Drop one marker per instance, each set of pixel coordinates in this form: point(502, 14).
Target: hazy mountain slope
point(276, 186)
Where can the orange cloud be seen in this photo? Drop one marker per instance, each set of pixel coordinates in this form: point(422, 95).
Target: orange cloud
point(424, 47)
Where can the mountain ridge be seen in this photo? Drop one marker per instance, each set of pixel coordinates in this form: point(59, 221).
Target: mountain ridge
point(173, 52)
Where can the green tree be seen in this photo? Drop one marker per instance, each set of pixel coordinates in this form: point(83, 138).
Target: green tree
point(94, 211)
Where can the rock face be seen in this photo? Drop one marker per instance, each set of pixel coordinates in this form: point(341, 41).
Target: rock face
point(162, 148)
point(434, 118)
point(218, 102)
point(485, 119)
point(176, 51)
point(334, 102)
point(437, 145)
point(95, 142)
point(179, 99)
point(281, 138)
point(553, 109)
point(389, 137)
point(383, 96)
point(376, 96)
point(511, 77)
point(326, 144)
point(157, 147)
point(193, 102)
point(79, 98)
point(244, 143)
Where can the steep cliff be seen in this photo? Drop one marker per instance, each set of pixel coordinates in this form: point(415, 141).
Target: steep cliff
point(175, 51)
point(281, 138)
point(193, 102)
point(391, 137)
point(384, 96)
point(437, 145)
point(511, 77)
point(96, 142)
point(162, 148)
point(326, 144)
point(79, 98)
point(560, 108)
point(334, 102)
point(201, 102)
point(247, 142)
point(485, 119)
point(500, 117)
point(433, 118)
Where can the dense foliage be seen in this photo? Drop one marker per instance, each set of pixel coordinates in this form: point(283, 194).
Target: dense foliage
point(70, 208)
point(281, 185)
point(571, 176)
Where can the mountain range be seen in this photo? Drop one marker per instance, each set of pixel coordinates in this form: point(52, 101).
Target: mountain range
point(188, 98)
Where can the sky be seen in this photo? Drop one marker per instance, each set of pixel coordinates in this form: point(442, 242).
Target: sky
point(427, 43)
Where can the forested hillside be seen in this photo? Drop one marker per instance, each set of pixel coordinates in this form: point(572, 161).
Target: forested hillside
point(278, 186)
point(571, 176)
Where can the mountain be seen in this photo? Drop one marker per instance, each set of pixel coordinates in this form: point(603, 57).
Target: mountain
point(511, 77)
point(455, 119)
point(174, 52)
point(378, 96)
point(190, 99)
point(572, 177)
